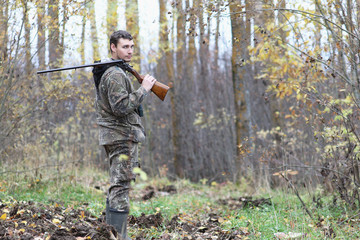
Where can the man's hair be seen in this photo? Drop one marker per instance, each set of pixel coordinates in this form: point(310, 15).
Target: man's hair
point(114, 38)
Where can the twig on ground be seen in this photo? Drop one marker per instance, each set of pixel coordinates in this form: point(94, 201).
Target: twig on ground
point(342, 222)
point(297, 194)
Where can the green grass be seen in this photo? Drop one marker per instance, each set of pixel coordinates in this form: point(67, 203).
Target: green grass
point(195, 202)
point(68, 191)
point(286, 214)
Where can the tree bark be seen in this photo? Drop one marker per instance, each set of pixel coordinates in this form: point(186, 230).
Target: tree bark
point(4, 17)
point(54, 34)
point(82, 47)
point(41, 34)
point(28, 64)
point(132, 26)
point(94, 38)
point(217, 33)
point(239, 41)
point(167, 58)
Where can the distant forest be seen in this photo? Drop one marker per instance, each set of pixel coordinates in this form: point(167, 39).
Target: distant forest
point(281, 103)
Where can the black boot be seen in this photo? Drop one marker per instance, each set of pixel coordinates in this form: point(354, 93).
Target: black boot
point(107, 212)
point(118, 220)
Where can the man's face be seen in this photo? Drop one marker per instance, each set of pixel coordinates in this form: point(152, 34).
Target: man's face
point(123, 50)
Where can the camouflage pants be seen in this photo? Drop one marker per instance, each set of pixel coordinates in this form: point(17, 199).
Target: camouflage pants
point(123, 157)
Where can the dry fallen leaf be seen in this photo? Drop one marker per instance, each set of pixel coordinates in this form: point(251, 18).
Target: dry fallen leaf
point(295, 235)
point(3, 217)
point(280, 235)
point(56, 221)
point(290, 235)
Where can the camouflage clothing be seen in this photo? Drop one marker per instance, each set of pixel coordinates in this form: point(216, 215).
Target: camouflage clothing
point(120, 131)
point(116, 105)
point(123, 157)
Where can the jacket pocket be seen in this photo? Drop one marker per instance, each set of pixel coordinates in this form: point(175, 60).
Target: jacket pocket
point(133, 119)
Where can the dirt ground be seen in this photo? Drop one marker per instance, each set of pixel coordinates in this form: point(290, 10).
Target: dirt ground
point(35, 221)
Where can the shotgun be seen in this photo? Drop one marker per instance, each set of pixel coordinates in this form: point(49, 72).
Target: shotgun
point(159, 89)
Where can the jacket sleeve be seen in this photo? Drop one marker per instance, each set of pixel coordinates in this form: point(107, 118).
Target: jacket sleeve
point(121, 98)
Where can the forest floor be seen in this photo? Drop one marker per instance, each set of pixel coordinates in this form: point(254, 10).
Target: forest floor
point(72, 208)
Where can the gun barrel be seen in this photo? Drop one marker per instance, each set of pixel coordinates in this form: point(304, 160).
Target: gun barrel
point(59, 69)
point(80, 66)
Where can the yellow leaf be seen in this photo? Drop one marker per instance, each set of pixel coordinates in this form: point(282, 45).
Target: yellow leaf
point(142, 174)
point(3, 217)
point(123, 157)
point(56, 221)
point(82, 214)
point(20, 211)
point(293, 172)
point(22, 230)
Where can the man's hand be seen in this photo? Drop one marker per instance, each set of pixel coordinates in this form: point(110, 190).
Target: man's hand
point(148, 82)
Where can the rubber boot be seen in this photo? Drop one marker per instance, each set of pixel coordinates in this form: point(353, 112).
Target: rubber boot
point(118, 220)
point(107, 212)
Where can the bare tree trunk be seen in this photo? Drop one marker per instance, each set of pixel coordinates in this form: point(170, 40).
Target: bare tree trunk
point(202, 50)
point(358, 15)
point(275, 108)
point(28, 64)
point(181, 39)
point(41, 34)
point(176, 82)
point(350, 26)
point(54, 34)
point(132, 26)
point(94, 39)
point(217, 33)
point(192, 34)
point(204, 59)
point(167, 62)
point(317, 27)
point(4, 17)
point(65, 17)
point(238, 58)
point(82, 47)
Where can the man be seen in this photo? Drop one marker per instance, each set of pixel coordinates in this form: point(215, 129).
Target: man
point(118, 109)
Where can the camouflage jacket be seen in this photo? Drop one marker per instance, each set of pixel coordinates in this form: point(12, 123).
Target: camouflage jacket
point(116, 104)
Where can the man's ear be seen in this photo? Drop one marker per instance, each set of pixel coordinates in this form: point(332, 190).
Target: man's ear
point(113, 47)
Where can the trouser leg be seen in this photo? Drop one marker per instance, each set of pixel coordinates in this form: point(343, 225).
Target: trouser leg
point(123, 157)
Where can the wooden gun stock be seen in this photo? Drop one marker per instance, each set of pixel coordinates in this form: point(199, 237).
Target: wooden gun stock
point(159, 89)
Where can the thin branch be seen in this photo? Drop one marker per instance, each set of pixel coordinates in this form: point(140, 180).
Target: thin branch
point(342, 222)
point(323, 62)
point(302, 12)
point(297, 194)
